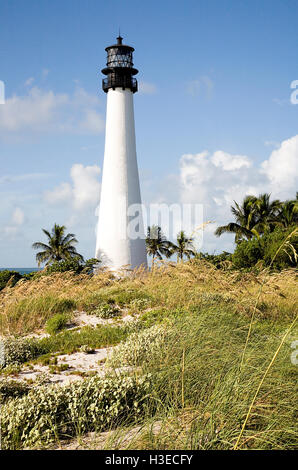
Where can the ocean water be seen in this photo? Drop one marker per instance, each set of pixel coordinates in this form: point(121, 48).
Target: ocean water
point(21, 270)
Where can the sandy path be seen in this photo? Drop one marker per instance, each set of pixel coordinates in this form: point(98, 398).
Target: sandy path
point(78, 363)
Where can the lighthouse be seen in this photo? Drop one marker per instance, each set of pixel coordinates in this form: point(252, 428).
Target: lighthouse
point(120, 232)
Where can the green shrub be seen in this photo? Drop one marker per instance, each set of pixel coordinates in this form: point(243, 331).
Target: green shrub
point(138, 305)
point(7, 275)
point(138, 346)
point(31, 313)
point(12, 389)
point(107, 311)
point(70, 341)
point(74, 264)
point(286, 256)
point(56, 323)
point(90, 264)
point(95, 403)
point(19, 350)
point(155, 315)
point(86, 349)
point(32, 275)
point(125, 297)
point(219, 261)
point(114, 296)
point(248, 253)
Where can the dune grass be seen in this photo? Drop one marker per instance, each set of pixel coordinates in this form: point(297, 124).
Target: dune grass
point(205, 393)
point(26, 315)
point(197, 371)
point(26, 307)
point(68, 342)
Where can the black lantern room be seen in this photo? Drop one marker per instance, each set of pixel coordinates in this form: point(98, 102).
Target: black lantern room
point(119, 69)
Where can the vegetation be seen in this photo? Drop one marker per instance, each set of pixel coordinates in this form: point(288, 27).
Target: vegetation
point(60, 246)
point(107, 311)
point(288, 214)
point(192, 338)
point(206, 364)
point(12, 389)
point(56, 323)
point(29, 313)
point(156, 243)
point(221, 261)
point(263, 250)
point(76, 265)
point(9, 277)
point(94, 404)
point(260, 226)
point(68, 342)
point(18, 350)
point(139, 347)
point(183, 247)
point(258, 215)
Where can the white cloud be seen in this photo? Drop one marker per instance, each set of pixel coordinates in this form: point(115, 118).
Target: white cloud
point(223, 177)
point(83, 192)
point(230, 162)
point(62, 193)
point(271, 143)
point(92, 123)
point(214, 180)
point(25, 177)
point(10, 230)
point(18, 216)
point(29, 81)
point(146, 88)
point(282, 166)
point(13, 228)
point(203, 85)
point(86, 185)
point(46, 111)
point(217, 179)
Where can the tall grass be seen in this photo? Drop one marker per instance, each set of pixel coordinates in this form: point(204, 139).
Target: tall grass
point(196, 380)
point(27, 306)
point(29, 314)
point(200, 398)
point(70, 341)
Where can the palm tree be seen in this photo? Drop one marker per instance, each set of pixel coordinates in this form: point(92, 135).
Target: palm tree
point(256, 215)
point(266, 213)
point(60, 246)
point(246, 219)
point(184, 246)
point(288, 214)
point(157, 244)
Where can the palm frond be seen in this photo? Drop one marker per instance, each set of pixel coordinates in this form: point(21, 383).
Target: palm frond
point(60, 246)
point(40, 245)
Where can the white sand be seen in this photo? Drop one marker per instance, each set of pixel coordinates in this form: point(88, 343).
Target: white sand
point(78, 362)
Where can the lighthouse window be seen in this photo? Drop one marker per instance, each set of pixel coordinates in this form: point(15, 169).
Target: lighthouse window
point(117, 58)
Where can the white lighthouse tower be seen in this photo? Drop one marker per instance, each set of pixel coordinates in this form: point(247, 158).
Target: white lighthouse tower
point(120, 232)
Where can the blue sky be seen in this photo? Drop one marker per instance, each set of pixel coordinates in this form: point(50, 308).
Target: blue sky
point(214, 77)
